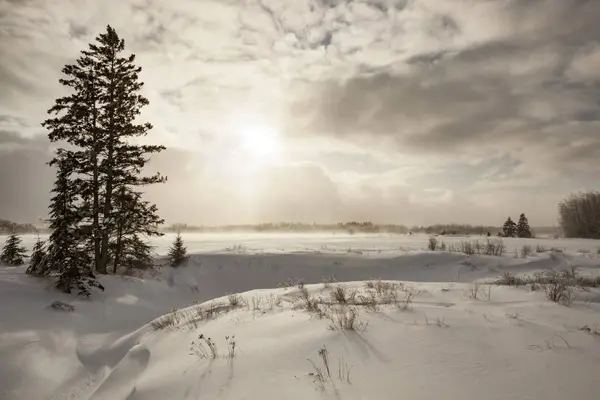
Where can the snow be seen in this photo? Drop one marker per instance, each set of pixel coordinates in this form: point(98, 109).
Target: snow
point(515, 344)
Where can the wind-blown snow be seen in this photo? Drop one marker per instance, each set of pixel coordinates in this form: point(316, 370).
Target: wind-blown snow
point(446, 345)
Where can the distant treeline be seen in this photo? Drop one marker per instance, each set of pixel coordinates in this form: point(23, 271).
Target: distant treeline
point(7, 227)
point(352, 227)
point(346, 227)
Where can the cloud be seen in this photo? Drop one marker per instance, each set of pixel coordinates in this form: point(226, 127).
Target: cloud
point(382, 104)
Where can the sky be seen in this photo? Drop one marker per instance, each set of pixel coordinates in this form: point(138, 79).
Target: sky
point(393, 111)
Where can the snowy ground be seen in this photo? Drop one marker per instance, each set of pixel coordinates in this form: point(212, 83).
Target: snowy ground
point(506, 343)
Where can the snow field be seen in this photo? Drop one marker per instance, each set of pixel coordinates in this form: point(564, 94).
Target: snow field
point(441, 341)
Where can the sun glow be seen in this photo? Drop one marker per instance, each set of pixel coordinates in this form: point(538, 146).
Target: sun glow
point(260, 142)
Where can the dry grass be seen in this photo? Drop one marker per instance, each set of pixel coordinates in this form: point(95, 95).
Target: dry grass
point(559, 287)
point(204, 348)
point(491, 247)
point(347, 319)
point(322, 374)
point(342, 296)
point(594, 330)
point(551, 344)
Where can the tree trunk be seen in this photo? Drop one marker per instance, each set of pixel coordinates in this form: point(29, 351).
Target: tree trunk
point(103, 264)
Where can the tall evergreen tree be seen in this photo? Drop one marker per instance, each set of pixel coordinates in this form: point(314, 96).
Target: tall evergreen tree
point(13, 253)
point(178, 252)
point(509, 229)
point(38, 257)
point(523, 229)
point(104, 159)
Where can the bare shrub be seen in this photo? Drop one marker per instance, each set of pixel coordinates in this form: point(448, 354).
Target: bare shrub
point(526, 251)
point(443, 246)
point(274, 301)
point(257, 302)
point(369, 301)
point(494, 247)
point(541, 249)
point(467, 248)
point(474, 291)
point(291, 282)
point(166, 321)
point(347, 319)
point(235, 300)
point(588, 281)
point(433, 244)
point(486, 293)
point(406, 304)
point(311, 304)
point(341, 295)
point(559, 290)
point(383, 287)
point(510, 280)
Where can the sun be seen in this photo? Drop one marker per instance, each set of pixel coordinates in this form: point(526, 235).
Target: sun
point(260, 142)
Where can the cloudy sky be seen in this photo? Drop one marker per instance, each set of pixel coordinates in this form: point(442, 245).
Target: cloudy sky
point(404, 111)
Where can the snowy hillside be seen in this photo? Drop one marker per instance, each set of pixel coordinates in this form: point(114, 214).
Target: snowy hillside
point(424, 331)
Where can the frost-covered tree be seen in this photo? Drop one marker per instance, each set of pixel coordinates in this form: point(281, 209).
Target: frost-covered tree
point(38, 257)
point(509, 229)
point(13, 253)
point(523, 229)
point(177, 252)
point(102, 158)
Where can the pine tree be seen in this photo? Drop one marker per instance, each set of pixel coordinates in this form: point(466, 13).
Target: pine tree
point(97, 122)
point(523, 229)
point(509, 229)
point(38, 257)
point(13, 253)
point(177, 252)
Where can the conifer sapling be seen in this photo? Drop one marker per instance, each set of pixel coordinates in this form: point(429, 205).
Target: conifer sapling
point(177, 252)
point(38, 257)
point(13, 253)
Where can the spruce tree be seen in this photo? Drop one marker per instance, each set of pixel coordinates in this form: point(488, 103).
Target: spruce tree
point(13, 253)
point(38, 257)
point(509, 229)
point(97, 123)
point(523, 229)
point(177, 252)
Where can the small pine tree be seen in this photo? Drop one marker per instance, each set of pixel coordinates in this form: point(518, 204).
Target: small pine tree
point(13, 253)
point(38, 257)
point(509, 229)
point(523, 229)
point(177, 252)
